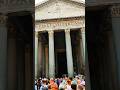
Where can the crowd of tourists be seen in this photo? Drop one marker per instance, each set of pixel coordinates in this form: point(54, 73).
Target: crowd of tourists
point(64, 83)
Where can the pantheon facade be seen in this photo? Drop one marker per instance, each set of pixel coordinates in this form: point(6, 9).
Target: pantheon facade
point(16, 44)
point(59, 38)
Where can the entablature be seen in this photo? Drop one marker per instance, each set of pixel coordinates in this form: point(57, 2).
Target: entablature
point(58, 24)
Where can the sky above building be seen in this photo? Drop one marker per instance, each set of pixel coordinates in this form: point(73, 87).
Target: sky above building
point(39, 1)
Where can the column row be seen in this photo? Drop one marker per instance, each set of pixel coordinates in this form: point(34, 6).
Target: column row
point(51, 60)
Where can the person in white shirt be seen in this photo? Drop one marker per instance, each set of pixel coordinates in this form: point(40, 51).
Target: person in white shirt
point(68, 86)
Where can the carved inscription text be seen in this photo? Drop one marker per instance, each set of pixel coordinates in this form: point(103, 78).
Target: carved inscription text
point(60, 24)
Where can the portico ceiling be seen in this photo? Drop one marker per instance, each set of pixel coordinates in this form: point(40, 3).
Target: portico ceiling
point(9, 6)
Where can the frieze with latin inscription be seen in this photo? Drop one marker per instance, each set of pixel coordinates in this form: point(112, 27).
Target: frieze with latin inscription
point(60, 24)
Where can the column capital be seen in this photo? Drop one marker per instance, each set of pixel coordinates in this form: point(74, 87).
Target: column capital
point(82, 29)
point(67, 30)
point(33, 15)
point(11, 31)
point(50, 32)
point(36, 34)
point(115, 10)
point(3, 19)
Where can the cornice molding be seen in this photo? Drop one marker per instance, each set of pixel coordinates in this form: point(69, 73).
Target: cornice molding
point(49, 1)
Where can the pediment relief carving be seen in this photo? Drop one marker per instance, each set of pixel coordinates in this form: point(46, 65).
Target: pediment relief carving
point(59, 9)
point(115, 11)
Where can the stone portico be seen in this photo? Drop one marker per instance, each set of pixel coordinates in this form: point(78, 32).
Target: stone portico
point(59, 29)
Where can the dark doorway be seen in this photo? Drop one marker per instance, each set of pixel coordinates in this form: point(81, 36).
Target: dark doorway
point(61, 63)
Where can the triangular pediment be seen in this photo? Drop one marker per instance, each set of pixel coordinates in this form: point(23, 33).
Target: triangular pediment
point(53, 9)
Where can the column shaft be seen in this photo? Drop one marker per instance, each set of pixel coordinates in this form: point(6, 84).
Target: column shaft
point(47, 63)
point(51, 54)
point(28, 75)
point(116, 35)
point(80, 54)
point(20, 62)
point(40, 53)
point(69, 53)
point(83, 44)
point(43, 60)
point(12, 60)
point(3, 55)
point(36, 54)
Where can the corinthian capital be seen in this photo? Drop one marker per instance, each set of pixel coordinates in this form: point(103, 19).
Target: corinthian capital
point(67, 30)
point(50, 32)
point(36, 34)
point(11, 30)
point(3, 19)
point(115, 11)
point(82, 29)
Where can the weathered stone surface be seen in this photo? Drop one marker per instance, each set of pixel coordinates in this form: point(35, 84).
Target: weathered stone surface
point(115, 11)
point(59, 9)
point(55, 15)
point(60, 24)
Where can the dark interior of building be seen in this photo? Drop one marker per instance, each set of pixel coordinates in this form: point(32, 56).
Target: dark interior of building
point(61, 60)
